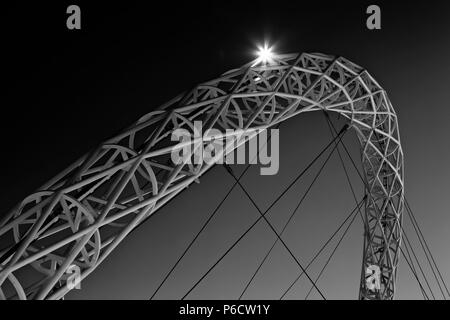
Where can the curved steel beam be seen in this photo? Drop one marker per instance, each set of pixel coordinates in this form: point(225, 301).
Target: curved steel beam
point(81, 215)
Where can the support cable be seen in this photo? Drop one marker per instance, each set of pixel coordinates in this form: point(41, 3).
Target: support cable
point(330, 126)
point(341, 132)
point(408, 243)
point(277, 234)
point(216, 209)
point(332, 254)
point(415, 275)
point(287, 223)
point(424, 244)
point(325, 245)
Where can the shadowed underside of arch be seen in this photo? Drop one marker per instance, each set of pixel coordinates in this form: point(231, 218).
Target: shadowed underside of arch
point(81, 215)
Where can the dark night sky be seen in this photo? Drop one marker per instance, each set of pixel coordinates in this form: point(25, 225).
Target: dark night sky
point(66, 91)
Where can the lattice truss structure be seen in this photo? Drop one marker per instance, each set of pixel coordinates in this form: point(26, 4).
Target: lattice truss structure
point(82, 214)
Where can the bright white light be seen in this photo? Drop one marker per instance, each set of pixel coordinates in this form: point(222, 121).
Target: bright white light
point(265, 54)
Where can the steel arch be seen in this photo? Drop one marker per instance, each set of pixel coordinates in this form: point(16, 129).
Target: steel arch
point(82, 214)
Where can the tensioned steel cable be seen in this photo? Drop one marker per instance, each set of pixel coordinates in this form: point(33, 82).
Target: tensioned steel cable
point(414, 271)
point(286, 224)
point(275, 231)
point(418, 263)
point(415, 275)
point(216, 209)
point(349, 155)
point(325, 244)
point(419, 235)
point(205, 224)
point(408, 243)
point(332, 254)
point(341, 132)
point(330, 125)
